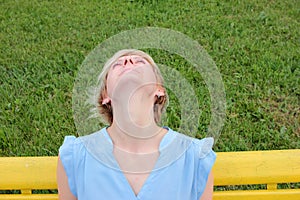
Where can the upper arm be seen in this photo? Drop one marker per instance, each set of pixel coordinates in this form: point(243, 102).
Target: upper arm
point(208, 191)
point(64, 192)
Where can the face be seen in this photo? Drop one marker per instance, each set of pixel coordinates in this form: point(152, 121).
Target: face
point(130, 70)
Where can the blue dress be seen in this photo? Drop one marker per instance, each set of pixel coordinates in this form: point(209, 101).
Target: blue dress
point(180, 173)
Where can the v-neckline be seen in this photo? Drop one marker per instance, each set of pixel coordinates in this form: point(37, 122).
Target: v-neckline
point(145, 184)
point(164, 141)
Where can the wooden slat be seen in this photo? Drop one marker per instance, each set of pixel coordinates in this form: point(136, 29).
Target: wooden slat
point(257, 167)
point(28, 173)
point(287, 194)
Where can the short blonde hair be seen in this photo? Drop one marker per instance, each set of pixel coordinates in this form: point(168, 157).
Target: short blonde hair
point(106, 110)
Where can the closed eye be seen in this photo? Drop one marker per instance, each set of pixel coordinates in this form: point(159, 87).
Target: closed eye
point(141, 61)
point(116, 65)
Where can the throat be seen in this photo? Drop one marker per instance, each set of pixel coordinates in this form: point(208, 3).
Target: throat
point(134, 108)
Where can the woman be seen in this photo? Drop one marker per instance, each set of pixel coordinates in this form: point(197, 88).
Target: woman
point(134, 158)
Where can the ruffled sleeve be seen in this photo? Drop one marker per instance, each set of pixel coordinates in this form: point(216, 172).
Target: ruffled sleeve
point(206, 160)
point(66, 154)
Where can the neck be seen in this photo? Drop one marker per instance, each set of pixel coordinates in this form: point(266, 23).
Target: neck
point(128, 141)
point(133, 128)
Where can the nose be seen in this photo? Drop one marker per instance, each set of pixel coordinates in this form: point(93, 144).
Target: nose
point(127, 60)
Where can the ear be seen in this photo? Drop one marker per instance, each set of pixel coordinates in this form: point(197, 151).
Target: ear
point(106, 100)
point(160, 91)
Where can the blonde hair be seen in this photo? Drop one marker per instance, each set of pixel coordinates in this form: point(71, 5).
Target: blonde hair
point(106, 110)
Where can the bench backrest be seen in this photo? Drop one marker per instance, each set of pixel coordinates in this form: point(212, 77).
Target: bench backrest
point(267, 168)
point(270, 168)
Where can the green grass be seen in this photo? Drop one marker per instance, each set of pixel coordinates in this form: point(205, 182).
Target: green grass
point(255, 45)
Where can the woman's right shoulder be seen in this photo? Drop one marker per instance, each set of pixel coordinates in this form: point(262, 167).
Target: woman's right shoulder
point(70, 141)
point(77, 145)
point(71, 148)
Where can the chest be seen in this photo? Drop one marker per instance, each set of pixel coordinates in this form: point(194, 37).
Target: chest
point(175, 181)
point(135, 167)
point(136, 181)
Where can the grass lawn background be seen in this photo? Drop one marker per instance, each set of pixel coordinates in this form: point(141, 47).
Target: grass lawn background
point(255, 45)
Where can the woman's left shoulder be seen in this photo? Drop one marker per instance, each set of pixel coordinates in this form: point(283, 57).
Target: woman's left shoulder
point(203, 147)
point(197, 148)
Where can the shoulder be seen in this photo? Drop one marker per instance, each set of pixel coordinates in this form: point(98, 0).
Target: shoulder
point(201, 150)
point(203, 147)
point(198, 156)
point(68, 144)
point(76, 145)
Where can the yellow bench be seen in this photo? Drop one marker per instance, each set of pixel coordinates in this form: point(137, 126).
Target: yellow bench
point(232, 168)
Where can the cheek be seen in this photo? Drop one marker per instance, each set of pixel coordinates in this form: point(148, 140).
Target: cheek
point(110, 84)
point(150, 76)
